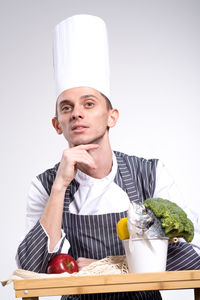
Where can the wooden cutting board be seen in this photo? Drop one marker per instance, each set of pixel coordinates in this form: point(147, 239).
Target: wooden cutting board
point(33, 288)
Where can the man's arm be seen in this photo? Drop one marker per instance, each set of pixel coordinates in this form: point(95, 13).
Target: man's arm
point(35, 244)
point(181, 255)
point(33, 252)
point(51, 219)
point(166, 188)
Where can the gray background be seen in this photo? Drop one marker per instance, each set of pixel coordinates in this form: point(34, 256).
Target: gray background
point(155, 72)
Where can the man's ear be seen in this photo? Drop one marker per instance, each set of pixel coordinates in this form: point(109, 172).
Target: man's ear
point(56, 125)
point(113, 117)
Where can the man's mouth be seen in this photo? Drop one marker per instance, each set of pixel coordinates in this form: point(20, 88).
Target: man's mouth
point(79, 128)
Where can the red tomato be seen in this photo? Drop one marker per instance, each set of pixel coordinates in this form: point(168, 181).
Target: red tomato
point(62, 263)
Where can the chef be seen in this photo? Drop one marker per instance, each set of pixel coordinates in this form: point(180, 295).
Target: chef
point(74, 207)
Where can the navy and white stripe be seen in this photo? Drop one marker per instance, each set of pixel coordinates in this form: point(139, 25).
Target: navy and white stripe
point(182, 256)
point(144, 295)
point(94, 236)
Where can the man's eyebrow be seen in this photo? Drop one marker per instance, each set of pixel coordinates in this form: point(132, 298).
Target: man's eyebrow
point(65, 101)
point(89, 96)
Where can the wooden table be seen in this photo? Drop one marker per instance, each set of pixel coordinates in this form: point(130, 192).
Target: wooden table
point(32, 289)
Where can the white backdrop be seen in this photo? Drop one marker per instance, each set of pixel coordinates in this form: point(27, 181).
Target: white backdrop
point(155, 73)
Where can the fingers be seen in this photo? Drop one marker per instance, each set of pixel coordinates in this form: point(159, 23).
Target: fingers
point(72, 158)
point(84, 262)
point(87, 146)
point(86, 159)
point(80, 154)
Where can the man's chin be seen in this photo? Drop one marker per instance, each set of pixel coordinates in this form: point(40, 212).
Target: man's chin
point(79, 143)
point(86, 141)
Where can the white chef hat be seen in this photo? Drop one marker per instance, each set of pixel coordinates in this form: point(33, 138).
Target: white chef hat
point(81, 54)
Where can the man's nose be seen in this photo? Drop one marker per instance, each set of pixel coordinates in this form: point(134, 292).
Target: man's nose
point(77, 113)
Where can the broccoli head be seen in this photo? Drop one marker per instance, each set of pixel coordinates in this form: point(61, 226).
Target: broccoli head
point(173, 219)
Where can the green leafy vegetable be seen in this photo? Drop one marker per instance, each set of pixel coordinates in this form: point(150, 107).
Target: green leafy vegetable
point(173, 218)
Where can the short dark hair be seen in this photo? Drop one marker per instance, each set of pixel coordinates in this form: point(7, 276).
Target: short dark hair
point(108, 103)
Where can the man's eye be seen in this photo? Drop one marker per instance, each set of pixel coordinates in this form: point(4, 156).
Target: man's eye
point(66, 108)
point(89, 104)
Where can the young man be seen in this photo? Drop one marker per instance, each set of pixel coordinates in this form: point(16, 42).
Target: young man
point(76, 205)
point(83, 117)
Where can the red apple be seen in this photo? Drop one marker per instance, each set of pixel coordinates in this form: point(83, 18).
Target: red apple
point(62, 263)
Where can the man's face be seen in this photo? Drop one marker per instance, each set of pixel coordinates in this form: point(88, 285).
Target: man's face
point(83, 116)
